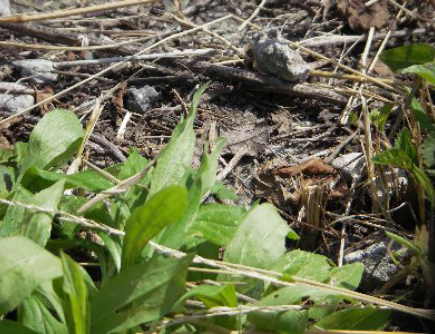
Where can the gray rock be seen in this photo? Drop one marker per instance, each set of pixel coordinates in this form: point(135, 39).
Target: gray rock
point(5, 8)
point(40, 70)
point(350, 165)
point(14, 102)
point(139, 100)
point(379, 269)
point(274, 56)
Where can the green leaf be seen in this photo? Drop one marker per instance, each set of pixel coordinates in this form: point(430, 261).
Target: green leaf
point(426, 71)
point(53, 140)
point(212, 295)
point(179, 235)
point(12, 327)
point(405, 242)
point(305, 265)
point(404, 143)
point(209, 164)
point(14, 215)
point(291, 321)
point(420, 115)
point(35, 179)
point(134, 164)
point(164, 208)
point(379, 117)
point(259, 240)
point(425, 182)
point(176, 157)
point(428, 150)
point(37, 226)
point(217, 223)
point(139, 294)
point(24, 265)
point(75, 297)
point(36, 316)
point(34, 225)
point(222, 192)
point(405, 56)
point(370, 319)
point(393, 157)
point(347, 276)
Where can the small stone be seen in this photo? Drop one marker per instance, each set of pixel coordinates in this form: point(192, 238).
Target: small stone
point(40, 70)
point(15, 102)
point(350, 165)
point(273, 56)
point(140, 100)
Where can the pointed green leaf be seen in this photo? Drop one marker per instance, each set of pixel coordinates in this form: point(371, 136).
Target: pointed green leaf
point(75, 297)
point(176, 157)
point(164, 208)
point(35, 315)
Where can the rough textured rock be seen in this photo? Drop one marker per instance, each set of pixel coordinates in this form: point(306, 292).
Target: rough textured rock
point(40, 70)
point(141, 99)
point(14, 102)
point(379, 269)
point(350, 165)
point(274, 57)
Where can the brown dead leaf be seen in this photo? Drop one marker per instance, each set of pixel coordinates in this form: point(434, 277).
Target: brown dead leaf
point(362, 18)
point(41, 95)
point(283, 122)
point(118, 99)
point(311, 167)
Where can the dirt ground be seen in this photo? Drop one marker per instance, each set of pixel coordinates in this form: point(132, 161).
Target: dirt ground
point(283, 136)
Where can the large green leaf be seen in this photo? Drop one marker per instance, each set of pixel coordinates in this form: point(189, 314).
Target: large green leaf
point(24, 265)
point(53, 140)
point(12, 327)
point(370, 319)
point(35, 315)
point(139, 294)
point(305, 265)
point(259, 240)
point(217, 223)
point(348, 276)
point(164, 208)
point(74, 297)
point(408, 55)
point(176, 157)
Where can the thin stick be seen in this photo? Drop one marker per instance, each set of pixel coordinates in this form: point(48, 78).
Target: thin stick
point(254, 14)
point(74, 11)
